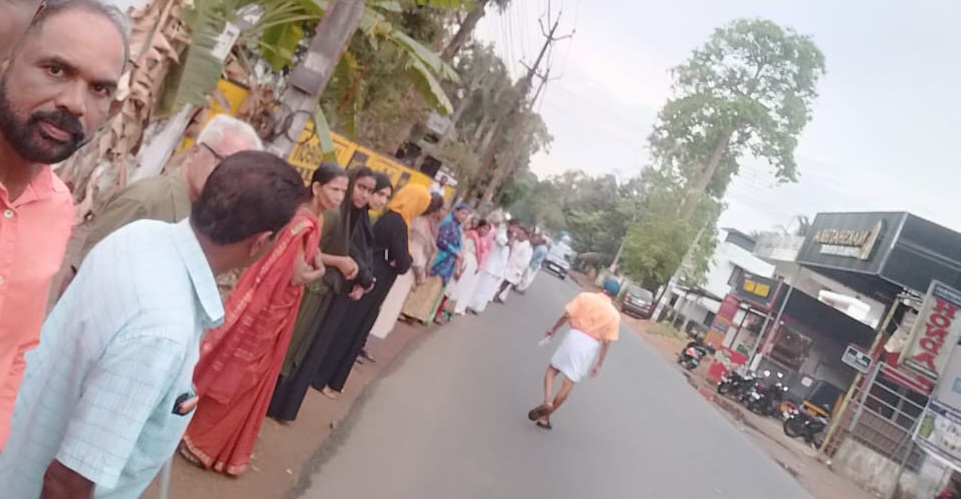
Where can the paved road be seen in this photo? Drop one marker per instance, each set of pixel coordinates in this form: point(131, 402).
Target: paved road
point(450, 422)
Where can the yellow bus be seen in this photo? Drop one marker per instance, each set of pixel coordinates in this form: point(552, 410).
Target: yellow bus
point(307, 153)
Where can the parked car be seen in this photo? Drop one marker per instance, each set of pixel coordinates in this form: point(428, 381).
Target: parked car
point(558, 261)
point(638, 302)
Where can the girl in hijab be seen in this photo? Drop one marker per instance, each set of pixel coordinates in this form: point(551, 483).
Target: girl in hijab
point(240, 360)
point(391, 258)
point(326, 300)
point(420, 245)
point(383, 189)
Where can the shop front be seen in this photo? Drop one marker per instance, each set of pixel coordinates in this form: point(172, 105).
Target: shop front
point(894, 258)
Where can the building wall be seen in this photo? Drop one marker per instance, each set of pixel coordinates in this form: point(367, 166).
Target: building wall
point(877, 474)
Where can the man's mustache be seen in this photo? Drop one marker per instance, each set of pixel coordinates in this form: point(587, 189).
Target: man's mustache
point(63, 120)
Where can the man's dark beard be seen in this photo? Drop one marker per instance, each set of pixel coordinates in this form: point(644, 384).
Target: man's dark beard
point(24, 134)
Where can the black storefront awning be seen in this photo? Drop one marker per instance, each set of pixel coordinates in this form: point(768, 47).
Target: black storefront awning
point(879, 254)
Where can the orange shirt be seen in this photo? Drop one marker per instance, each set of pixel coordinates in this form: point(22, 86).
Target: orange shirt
point(595, 315)
point(34, 230)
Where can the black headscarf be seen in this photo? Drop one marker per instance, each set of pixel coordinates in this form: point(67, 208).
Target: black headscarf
point(340, 223)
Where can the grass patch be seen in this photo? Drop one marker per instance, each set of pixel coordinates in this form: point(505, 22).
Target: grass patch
point(665, 329)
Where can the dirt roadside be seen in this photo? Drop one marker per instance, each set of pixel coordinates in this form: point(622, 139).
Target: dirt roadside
point(288, 453)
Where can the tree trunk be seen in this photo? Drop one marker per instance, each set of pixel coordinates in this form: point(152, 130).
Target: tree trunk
point(309, 79)
point(481, 130)
point(465, 31)
point(704, 179)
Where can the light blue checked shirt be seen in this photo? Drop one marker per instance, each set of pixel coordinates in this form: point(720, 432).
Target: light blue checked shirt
point(114, 355)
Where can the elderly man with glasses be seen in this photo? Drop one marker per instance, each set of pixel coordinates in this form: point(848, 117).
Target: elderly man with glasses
point(168, 197)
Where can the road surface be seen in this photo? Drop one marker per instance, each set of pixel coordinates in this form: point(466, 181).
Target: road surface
point(450, 422)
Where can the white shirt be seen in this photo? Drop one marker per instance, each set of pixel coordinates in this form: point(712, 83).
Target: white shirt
point(115, 354)
point(520, 259)
point(500, 251)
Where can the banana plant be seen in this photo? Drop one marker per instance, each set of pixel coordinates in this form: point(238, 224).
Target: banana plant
point(282, 32)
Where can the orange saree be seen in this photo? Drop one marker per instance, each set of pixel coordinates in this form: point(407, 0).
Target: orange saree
point(240, 361)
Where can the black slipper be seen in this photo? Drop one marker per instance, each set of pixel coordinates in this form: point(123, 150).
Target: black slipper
point(546, 426)
point(538, 412)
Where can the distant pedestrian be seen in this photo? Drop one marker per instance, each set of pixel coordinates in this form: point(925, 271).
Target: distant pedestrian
point(492, 271)
point(595, 324)
point(541, 250)
point(108, 393)
point(520, 258)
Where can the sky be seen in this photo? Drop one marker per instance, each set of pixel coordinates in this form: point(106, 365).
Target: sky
point(883, 129)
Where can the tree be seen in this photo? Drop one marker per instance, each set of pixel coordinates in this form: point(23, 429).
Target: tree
point(173, 73)
point(466, 28)
point(749, 89)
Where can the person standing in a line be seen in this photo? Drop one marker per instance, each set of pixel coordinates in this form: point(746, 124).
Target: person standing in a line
point(240, 361)
point(475, 255)
point(167, 197)
point(391, 258)
point(517, 263)
point(541, 249)
point(343, 251)
point(493, 271)
point(108, 393)
point(595, 324)
point(55, 91)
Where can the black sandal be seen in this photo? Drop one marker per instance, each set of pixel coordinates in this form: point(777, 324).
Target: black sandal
point(538, 412)
point(546, 426)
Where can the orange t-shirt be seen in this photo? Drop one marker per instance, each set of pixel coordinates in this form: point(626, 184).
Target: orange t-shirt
point(595, 315)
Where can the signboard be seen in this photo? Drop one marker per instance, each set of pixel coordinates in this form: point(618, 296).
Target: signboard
point(939, 430)
point(935, 332)
point(939, 433)
point(857, 358)
point(758, 290)
point(852, 243)
point(723, 321)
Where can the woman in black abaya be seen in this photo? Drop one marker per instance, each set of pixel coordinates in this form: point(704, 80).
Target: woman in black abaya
point(325, 302)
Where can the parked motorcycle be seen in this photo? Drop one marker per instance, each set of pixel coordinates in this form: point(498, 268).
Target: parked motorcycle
point(692, 355)
point(810, 427)
point(766, 399)
point(736, 385)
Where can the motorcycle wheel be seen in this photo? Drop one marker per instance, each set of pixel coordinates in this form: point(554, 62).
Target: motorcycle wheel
point(793, 428)
point(818, 439)
point(724, 388)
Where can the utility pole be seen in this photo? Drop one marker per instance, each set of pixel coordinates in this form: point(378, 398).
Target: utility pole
point(309, 79)
point(524, 84)
point(501, 169)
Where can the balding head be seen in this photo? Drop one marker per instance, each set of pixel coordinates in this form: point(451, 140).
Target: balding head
point(56, 90)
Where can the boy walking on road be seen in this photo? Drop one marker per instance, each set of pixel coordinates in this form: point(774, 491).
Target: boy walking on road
point(595, 324)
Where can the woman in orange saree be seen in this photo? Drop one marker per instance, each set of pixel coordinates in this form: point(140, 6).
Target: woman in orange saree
point(240, 361)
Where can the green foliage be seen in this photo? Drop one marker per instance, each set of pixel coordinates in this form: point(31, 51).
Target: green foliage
point(596, 210)
point(192, 81)
point(748, 90)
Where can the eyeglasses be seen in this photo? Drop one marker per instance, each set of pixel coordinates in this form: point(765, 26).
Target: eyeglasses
point(217, 155)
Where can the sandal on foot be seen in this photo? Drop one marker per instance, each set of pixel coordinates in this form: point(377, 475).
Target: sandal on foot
point(539, 412)
point(546, 426)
